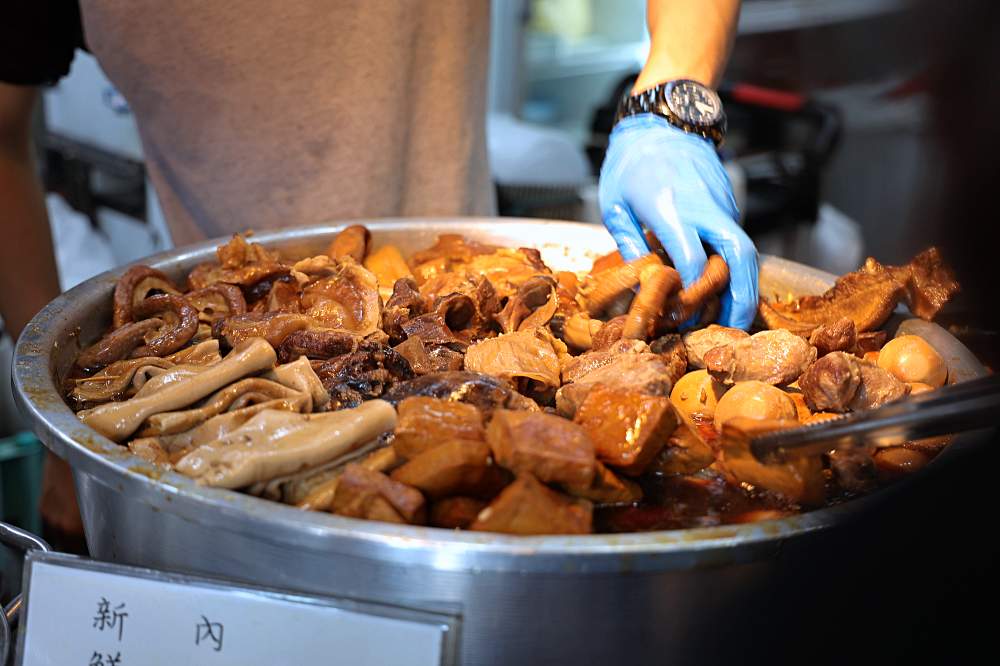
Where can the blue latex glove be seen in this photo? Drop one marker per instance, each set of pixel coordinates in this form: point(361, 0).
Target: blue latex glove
point(660, 177)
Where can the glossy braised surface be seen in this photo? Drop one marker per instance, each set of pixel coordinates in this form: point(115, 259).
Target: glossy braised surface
point(530, 341)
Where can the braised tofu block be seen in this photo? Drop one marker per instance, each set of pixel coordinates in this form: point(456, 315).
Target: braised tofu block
point(527, 506)
point(456, 467)
point(798, 478)
point(628, 428)
point(606, 488)
point(425, 422)
point(363, 493)
point(455, 512)
point(551, 448)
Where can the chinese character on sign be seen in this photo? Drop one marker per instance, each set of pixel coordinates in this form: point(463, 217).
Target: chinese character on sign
point(110, 618)
point(209, 631)
point(106, 660)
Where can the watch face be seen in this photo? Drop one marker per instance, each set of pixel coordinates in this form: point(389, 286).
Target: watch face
point(694, 103)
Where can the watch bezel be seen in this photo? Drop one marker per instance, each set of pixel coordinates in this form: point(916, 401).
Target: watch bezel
point(666, 99)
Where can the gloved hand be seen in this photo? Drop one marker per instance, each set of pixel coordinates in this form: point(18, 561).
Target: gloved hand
point(660, 177)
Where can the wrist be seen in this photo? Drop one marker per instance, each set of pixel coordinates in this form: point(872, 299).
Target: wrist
point(661, 67)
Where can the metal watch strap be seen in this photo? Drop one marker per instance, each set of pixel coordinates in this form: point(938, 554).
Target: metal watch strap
point(653, 101)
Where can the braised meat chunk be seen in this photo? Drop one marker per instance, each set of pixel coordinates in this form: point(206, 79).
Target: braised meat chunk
point(455, 512)
point(628, 428)
point(552, 449)
point(362, 493)
point(645, 373)
point(529, 507)
point(700, 342)
point(841, 382)
point(454, 467)
point(606, 488)
point(362, 375)
point(830, 383)
point(841, 335)
point(772, 357)
point(425, 422)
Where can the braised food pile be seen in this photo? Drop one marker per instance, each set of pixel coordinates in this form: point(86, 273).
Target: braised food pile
point(470, 386)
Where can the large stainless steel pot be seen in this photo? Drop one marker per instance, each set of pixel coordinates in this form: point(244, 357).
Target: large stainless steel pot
point(600, 598)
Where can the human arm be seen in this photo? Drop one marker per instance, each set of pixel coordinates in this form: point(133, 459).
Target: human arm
point(659, 177)
point(28, 278)
point(689, 39)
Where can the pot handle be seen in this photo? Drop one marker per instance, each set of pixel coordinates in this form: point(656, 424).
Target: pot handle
point(17, 538)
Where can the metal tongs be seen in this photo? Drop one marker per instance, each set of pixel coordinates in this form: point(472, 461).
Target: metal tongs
point(951, 409)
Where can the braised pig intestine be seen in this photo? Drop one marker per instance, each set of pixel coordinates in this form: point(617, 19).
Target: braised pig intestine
point(473, 387)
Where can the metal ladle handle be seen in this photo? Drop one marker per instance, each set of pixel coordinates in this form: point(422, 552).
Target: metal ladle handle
point(18, 538)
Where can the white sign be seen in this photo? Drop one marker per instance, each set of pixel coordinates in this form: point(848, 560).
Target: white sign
point(85, 613)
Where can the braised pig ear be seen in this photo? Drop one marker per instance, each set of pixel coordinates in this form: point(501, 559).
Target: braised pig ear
point(238, 253)
point(532, 306)
point(243, 264)
point(346, 299)
point(521, 355)
point(868, 296)
point(798, 479)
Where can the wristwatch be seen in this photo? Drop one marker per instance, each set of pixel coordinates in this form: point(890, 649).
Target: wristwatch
point(686, 104)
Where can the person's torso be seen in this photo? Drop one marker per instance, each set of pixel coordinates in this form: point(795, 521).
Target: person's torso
point(262, 114)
